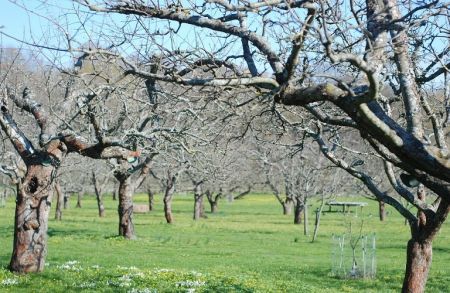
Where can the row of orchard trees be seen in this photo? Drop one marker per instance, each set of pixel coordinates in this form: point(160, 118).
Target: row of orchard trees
point(360, 80)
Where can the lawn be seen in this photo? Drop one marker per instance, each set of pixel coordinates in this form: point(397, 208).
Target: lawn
point(248, 246)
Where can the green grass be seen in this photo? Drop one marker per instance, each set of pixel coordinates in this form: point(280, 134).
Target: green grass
point(249, 246)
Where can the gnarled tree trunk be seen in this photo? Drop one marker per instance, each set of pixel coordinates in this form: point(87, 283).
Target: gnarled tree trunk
point(31, 220)
point(418, 260)
point(213, 200)
point(126, 227)
point(420, 250)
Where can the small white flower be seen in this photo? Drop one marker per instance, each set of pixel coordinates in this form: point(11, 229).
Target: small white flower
point(132, 268)
point(196, 274)
point(87, 285)
point(144, 290)
point(10, 282)
point(163, 271)
point(190, 283)
point(71, 265)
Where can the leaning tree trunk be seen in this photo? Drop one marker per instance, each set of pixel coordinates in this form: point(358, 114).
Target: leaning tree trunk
point(31, 220)
point(98, 196)
point(59, 202)
point(168, 209)
point(100, 205)
point(126, 227)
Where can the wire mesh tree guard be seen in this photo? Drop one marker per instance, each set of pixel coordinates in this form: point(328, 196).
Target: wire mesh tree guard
point(353, 256)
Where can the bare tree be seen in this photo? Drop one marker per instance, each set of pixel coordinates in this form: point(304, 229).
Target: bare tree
point(34, 191)
point(341, 65)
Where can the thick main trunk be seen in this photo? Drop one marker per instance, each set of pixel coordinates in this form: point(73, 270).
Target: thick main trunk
point(126, 227)
point(59, 202)
point(31, 220)
point(213, 200)
point(382, 210)
point(198, 206)
point(287, 207)
point(214, 206)
point(168, 209)
point(168, 195)
point(298, 212)
point(419, 250)
point(419, 256)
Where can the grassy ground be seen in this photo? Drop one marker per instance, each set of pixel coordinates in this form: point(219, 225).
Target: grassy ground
point(249, 246)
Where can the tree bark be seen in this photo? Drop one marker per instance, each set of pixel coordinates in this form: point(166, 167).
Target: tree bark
point(126, 227)
point(213, 200)
point(287, 207)
point(382, 210)
point(419, 255)
point(198, 207)
point(214, 207)
point(420, 250)
point(198, 201)
point(59, 202)
point(168, 195)
point(31, 220)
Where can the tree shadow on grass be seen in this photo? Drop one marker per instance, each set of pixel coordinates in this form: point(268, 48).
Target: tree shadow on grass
point(114, 237)
point(54, 232)
point(441, 249)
